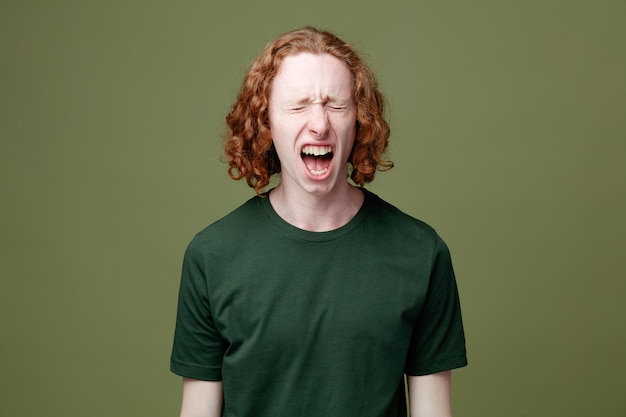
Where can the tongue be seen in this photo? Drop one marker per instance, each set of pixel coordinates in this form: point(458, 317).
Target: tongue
point(315, 163)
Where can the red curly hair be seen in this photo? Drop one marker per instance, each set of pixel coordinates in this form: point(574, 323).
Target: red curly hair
point(248, 145)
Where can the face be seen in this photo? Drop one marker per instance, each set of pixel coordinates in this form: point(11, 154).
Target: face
point(312, 118)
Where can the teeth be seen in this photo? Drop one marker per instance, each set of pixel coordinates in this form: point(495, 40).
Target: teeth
point(320, 172)
point(316, 150)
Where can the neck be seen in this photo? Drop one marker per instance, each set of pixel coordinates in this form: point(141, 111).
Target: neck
point(317, 212)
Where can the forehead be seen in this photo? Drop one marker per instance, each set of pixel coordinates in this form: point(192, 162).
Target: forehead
point(317, 74)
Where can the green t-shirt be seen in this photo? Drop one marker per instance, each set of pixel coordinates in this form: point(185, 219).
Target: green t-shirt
point(299, 323)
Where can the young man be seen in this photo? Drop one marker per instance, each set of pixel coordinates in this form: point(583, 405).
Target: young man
point(317, 297)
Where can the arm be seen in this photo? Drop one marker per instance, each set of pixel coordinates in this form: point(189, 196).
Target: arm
point(201, 398)
point(429, 395)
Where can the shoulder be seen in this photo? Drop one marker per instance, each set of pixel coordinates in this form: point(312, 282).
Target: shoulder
point(236, 226)
point(395, 221)
point(238, 219)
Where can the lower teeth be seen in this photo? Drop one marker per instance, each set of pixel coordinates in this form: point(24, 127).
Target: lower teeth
point(320, 172)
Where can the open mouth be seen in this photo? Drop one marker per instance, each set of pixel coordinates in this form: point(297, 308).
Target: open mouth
point(317, 158)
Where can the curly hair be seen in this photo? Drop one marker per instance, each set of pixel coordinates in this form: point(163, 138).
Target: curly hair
point(248, 145)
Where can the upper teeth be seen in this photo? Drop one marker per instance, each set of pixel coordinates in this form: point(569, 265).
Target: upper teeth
point(316, 150)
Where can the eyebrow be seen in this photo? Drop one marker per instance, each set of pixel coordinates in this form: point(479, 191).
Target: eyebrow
point(325, 100)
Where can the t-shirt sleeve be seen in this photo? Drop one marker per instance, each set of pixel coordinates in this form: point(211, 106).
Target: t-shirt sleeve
point(438, 340)
point(198, 348)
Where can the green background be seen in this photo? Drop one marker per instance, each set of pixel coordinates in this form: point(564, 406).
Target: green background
point(508, 131)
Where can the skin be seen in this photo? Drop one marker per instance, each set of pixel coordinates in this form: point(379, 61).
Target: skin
point(312, 104)
point(429, 395)
point(311, 107)
point(201, 398)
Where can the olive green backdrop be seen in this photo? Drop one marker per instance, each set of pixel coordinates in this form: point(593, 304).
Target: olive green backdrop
point(509, 129)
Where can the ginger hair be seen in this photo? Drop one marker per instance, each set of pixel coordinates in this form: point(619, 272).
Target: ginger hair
point(248, 145)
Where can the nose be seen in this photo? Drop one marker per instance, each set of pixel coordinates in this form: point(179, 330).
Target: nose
point(318, 122)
